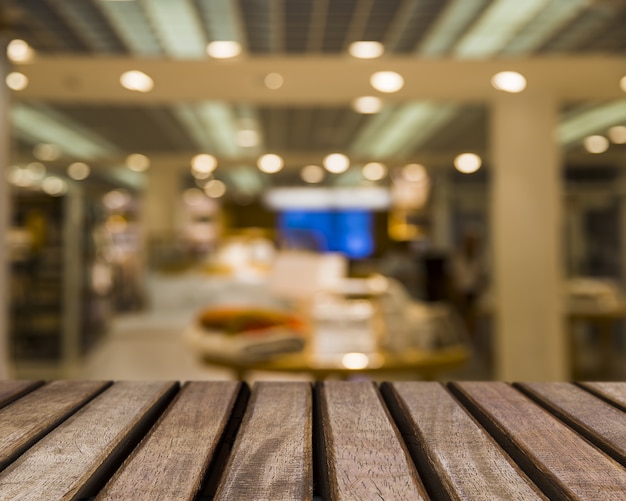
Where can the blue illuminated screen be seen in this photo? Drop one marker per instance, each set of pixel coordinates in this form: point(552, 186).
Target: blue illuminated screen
point(347, 231)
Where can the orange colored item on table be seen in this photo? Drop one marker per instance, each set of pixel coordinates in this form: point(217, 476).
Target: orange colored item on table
point(233, 320)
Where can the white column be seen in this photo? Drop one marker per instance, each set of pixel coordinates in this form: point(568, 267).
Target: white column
point(526, 199)
point(161, 199)
point(160, 205)
point(4, 213)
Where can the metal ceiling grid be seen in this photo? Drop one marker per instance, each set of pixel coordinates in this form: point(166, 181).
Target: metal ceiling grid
point(426, 28)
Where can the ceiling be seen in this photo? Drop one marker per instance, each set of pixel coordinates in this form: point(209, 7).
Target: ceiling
point(297, 31)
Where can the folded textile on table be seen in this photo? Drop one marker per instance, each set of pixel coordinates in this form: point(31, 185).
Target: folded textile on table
point(245, 334)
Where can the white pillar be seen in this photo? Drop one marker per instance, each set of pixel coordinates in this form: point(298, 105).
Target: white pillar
point(161, 198)
point(526, 198)
point(160, 204)
point(4, 213)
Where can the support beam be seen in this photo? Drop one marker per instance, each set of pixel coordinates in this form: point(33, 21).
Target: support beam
point(526, 231)
point(314, 80)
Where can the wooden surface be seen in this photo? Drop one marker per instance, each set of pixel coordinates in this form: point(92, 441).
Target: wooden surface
point(10, 390)
point(559, 460)
point(458, 458)
point(364, 456)
point(272, 457)
point(23, 422)
point(171, 462)
point(334, 440)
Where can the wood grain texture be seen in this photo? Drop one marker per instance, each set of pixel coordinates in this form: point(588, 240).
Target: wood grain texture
point(556, 458)
point(26, 420)
point(599, 422)
point(64, 463)
point(456, 457)
point(365, 458)
point(613, 392)
point(171, 461)
point(12, 390)
point(272, 456)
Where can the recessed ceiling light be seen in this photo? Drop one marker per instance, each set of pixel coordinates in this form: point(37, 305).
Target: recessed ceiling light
point(617, 134)
point(247, 138)
point(509, 81)
point(367, 104)
point(387, 81)
point(116, 199)
point(19, 176)
point(467, 163)
point(18, 51)
point(78, 171)
point(137, 81)
point(37, 170)
point(137, 162)
point(273, 81)
point(366, 49)
point(215, 188)
point(16, 81)
point(270, 163)
point(54, 186)
point(223, 49)
point(336, 163)
point(46, 152)
point(203, 164)
point(374, 171)
point(312, 174)
point(414, 172)
point(596, 144)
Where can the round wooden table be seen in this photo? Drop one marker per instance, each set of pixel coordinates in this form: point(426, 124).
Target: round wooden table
point(422, 364)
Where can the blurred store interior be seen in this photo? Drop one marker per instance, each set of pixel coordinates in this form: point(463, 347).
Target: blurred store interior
point(195, 185)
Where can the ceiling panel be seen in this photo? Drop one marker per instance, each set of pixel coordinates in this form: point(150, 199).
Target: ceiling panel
point(416, 28)
point(297, 23)
point(339, 17)
point(132, 128)
point(256, 18)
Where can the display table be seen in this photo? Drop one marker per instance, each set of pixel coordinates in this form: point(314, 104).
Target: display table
point(334, 440)
point(413, 363)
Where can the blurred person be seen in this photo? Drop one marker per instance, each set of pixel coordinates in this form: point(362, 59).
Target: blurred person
point(401, 263)
point(468, 279)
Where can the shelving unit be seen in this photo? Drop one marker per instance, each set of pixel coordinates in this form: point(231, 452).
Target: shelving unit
point(56, 316)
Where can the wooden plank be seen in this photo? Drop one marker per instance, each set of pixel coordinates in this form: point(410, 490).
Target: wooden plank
point(598, 421)
point(556, 458)
point(172, 460)
point(272, 456)
point(615, 393)
point(25, 421)
point(364, 455)
point(12, 390)
point(75, 459)
point(457, 458)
